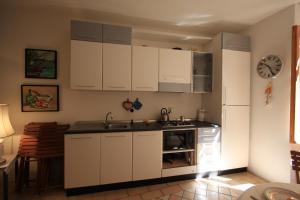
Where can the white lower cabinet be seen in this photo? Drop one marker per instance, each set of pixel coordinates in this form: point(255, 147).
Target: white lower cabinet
point(82, 160)
point(116, 157)
point(147, 155)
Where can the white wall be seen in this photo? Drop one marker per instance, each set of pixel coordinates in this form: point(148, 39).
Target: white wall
point(49, 28)
point(269, 132)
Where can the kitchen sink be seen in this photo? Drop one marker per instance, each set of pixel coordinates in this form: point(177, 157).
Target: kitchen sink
point(118, 126)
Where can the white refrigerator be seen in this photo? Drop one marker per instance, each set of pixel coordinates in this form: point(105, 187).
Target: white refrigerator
point(235, 109)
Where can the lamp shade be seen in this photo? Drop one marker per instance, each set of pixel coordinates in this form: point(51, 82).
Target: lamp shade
point(5, 126)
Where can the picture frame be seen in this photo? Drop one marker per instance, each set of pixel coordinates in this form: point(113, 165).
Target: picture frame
point(40, 63)
point(39, 98)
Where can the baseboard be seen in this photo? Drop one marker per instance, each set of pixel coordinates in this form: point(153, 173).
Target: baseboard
point(232, 171)
point(117, 186)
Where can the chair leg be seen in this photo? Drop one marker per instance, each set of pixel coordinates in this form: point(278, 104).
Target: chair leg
point(27, 171)
point(20, 177)
point(297, 177)
point(39, 175)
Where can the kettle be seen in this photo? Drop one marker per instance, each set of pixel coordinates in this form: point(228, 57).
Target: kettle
point(164, 115)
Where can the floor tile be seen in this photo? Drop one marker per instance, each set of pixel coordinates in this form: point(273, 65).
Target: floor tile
point(228, 187)
point(188, 195)
point(171, 189)
point(134, 197)
point(202, 192)
point(157, 186)
point(189, 185)
point(224, 197)
point(166, 197)
point(137, 190)
point(174, 197)
point(200, 197)
point(224, 190)
point(212, 195)
point(152, 194)
point(116, 195)
point(213, 188)
point(180, 194)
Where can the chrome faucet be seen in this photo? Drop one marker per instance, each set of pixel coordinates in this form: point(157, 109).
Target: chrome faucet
point(108, 115)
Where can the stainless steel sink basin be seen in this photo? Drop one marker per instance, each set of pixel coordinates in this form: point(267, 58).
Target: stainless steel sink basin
point(117, 126)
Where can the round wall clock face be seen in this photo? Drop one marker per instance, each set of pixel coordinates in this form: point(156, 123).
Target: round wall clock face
point(269, 67)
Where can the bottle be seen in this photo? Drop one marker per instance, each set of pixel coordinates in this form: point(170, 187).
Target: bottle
point(201, 115)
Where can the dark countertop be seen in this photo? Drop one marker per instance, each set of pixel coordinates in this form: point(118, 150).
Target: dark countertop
point(93, 127)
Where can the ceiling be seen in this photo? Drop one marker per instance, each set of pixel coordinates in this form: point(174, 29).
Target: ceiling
point(191, 18)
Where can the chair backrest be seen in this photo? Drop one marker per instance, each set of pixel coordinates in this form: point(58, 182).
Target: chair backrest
point(295, 155)
point(43, 140)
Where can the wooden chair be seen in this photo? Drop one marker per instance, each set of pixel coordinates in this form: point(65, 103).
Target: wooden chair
point(295, 155)
point(40, 143)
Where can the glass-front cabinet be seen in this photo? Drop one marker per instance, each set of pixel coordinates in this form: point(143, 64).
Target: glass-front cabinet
point(202, 72)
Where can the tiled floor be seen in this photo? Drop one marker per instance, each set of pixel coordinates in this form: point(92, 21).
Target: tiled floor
point(227, 187)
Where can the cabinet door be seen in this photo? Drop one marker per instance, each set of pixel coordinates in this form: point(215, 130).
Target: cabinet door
point(116, 157)
point(235, 137)
point(144, 68)
point(236, 77)
point(202, 72)
point(147, 155)
point(86, 31)
point(82, 160)
point(175, 66)
point(86, 65)
point(117, 34)
point(116, 67)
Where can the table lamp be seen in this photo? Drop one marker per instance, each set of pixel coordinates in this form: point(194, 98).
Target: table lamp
point(5, 128)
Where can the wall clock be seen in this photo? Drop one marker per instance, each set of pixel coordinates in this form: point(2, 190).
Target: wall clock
point(269, 66)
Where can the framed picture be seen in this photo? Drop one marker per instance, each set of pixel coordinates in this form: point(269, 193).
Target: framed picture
point(40, 98)
point(40, 63)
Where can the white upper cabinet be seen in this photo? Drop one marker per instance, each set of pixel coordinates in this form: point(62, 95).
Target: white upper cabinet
point(116, 157)
point(236, 77)
point(116, 67)
point(175, 66)
point(235, 137)
point(86, 65)
point(144, 68)
point(147, 155)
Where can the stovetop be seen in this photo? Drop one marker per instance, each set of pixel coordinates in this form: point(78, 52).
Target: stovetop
point(176, 124)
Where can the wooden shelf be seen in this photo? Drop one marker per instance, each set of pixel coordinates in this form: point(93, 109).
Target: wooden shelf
point(178, 151)
point(176, 163)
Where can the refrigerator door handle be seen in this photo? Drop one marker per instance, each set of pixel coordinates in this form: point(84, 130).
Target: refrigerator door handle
point(224, 118)
point(224, 95)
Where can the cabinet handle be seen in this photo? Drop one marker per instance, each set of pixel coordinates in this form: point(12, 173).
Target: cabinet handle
point(224, 115)
point(116, 87)
point(225, 96)
point(115, 136)
point(145, 87)
point(86, 86)
point(79, 138)
point(146, 135)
